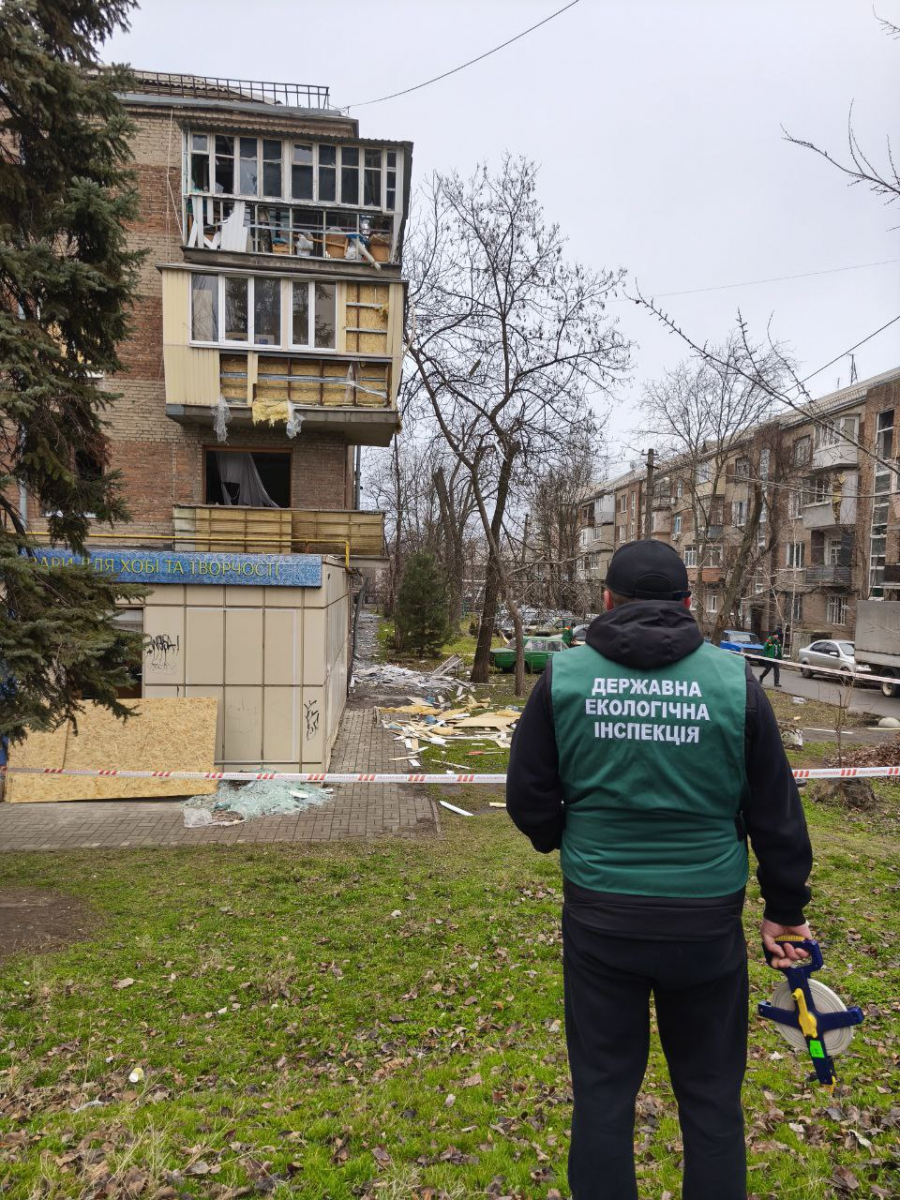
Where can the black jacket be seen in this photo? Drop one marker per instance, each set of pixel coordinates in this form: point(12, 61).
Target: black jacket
point(644, 635)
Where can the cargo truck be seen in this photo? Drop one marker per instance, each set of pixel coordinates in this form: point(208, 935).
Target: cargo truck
point(878, 640)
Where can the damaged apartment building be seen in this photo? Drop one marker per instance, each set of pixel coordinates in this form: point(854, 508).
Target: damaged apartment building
point(828, 528)
point(266, 350)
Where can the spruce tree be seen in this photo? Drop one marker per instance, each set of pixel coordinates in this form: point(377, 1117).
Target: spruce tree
point(422, 609)
point(66, 282)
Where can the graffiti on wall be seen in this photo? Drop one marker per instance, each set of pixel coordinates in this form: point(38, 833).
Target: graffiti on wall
point(311, 713)
point(162, 652)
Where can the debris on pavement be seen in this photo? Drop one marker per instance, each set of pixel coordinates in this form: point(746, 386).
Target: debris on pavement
point(429, 722)
point(234, 803)
point(391, 678)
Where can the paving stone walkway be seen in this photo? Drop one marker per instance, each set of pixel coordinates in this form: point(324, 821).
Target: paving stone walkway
point(357, 811)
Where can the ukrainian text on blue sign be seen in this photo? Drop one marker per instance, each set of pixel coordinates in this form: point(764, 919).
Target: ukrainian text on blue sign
point(161, 566)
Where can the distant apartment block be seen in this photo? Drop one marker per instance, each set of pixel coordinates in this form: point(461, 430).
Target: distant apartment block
point(829, 527)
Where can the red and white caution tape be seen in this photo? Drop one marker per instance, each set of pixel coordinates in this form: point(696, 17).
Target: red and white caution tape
point(251, 776)
point(330, 777)
point(845, 676)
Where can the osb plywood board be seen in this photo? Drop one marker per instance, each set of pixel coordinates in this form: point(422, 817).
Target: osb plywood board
point(171, 734)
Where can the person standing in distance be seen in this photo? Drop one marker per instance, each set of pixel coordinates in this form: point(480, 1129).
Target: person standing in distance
point(646, 757)
point(773, 650)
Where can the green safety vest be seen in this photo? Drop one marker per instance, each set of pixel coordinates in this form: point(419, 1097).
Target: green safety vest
point(653, 773)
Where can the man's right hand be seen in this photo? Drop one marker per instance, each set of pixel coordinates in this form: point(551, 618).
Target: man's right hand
point(784, 955)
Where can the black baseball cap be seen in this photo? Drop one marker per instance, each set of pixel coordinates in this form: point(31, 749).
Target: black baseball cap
point(648, 570)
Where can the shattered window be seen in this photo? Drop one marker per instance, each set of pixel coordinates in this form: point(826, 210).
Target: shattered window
point(350, 175)
point(325, 316)
point(199, 162)
point(307, 227)
point(302, 172)
point(271, 167)
point(267, 312)
point(204, 308)
point(327, 172)
point(235, 309)
point(249, 173)
point(224, 164)
point(372, 179)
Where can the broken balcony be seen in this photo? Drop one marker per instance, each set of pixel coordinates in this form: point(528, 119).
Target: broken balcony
point(247, 227)
point(245, 530)
point(347, 397)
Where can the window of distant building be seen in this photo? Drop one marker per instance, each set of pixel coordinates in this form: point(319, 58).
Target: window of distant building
point(802, 451)
point(837, 610)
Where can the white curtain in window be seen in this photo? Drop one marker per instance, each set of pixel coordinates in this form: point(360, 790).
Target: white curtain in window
point(240, 469)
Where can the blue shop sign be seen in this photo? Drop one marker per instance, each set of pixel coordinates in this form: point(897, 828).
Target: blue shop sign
point(163, 566)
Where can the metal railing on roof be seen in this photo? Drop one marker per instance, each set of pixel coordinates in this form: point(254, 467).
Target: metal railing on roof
point(208, 87)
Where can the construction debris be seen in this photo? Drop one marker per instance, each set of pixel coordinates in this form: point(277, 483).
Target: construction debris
point(427, 722)
point(388, 677)
point(453, 808)
point(450, 667)
point(235, 803)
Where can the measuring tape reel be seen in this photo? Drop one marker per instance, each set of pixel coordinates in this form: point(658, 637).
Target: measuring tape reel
point(808, 1014)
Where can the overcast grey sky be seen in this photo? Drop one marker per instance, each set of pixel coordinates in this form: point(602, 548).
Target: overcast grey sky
point(657, 124)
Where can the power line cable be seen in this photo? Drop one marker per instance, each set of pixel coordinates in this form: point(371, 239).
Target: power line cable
point(725, 287)
point(886, 325)
point(437, 78)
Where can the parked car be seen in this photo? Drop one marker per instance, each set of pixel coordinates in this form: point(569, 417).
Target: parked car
point(579, 633)
point(741, 641)
point(835, 656)
point(537, 653)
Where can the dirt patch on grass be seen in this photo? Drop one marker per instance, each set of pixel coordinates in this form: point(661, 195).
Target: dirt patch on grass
point(37, 919)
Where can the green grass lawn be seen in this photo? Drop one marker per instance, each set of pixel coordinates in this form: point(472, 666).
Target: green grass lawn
point(378, 1020)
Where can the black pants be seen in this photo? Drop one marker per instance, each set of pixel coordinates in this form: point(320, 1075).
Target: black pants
point(772, 665)
point(700, 989)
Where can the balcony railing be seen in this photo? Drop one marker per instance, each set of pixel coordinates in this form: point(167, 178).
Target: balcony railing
point(828, 573)
point(208, 87)
point(838, 454)
point(278, 530)
point(822, 516)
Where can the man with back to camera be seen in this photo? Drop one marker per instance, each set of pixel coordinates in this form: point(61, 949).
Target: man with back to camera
point(646, 757)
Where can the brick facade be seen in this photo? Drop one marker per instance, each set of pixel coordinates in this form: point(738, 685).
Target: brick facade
point(161, 460)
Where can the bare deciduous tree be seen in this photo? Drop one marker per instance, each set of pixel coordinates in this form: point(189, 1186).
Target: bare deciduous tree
point(510, 343)
point(860, 169)
point(710, 412)
point(553, 540)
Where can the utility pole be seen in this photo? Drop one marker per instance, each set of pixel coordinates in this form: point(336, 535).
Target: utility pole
point(648, 499)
